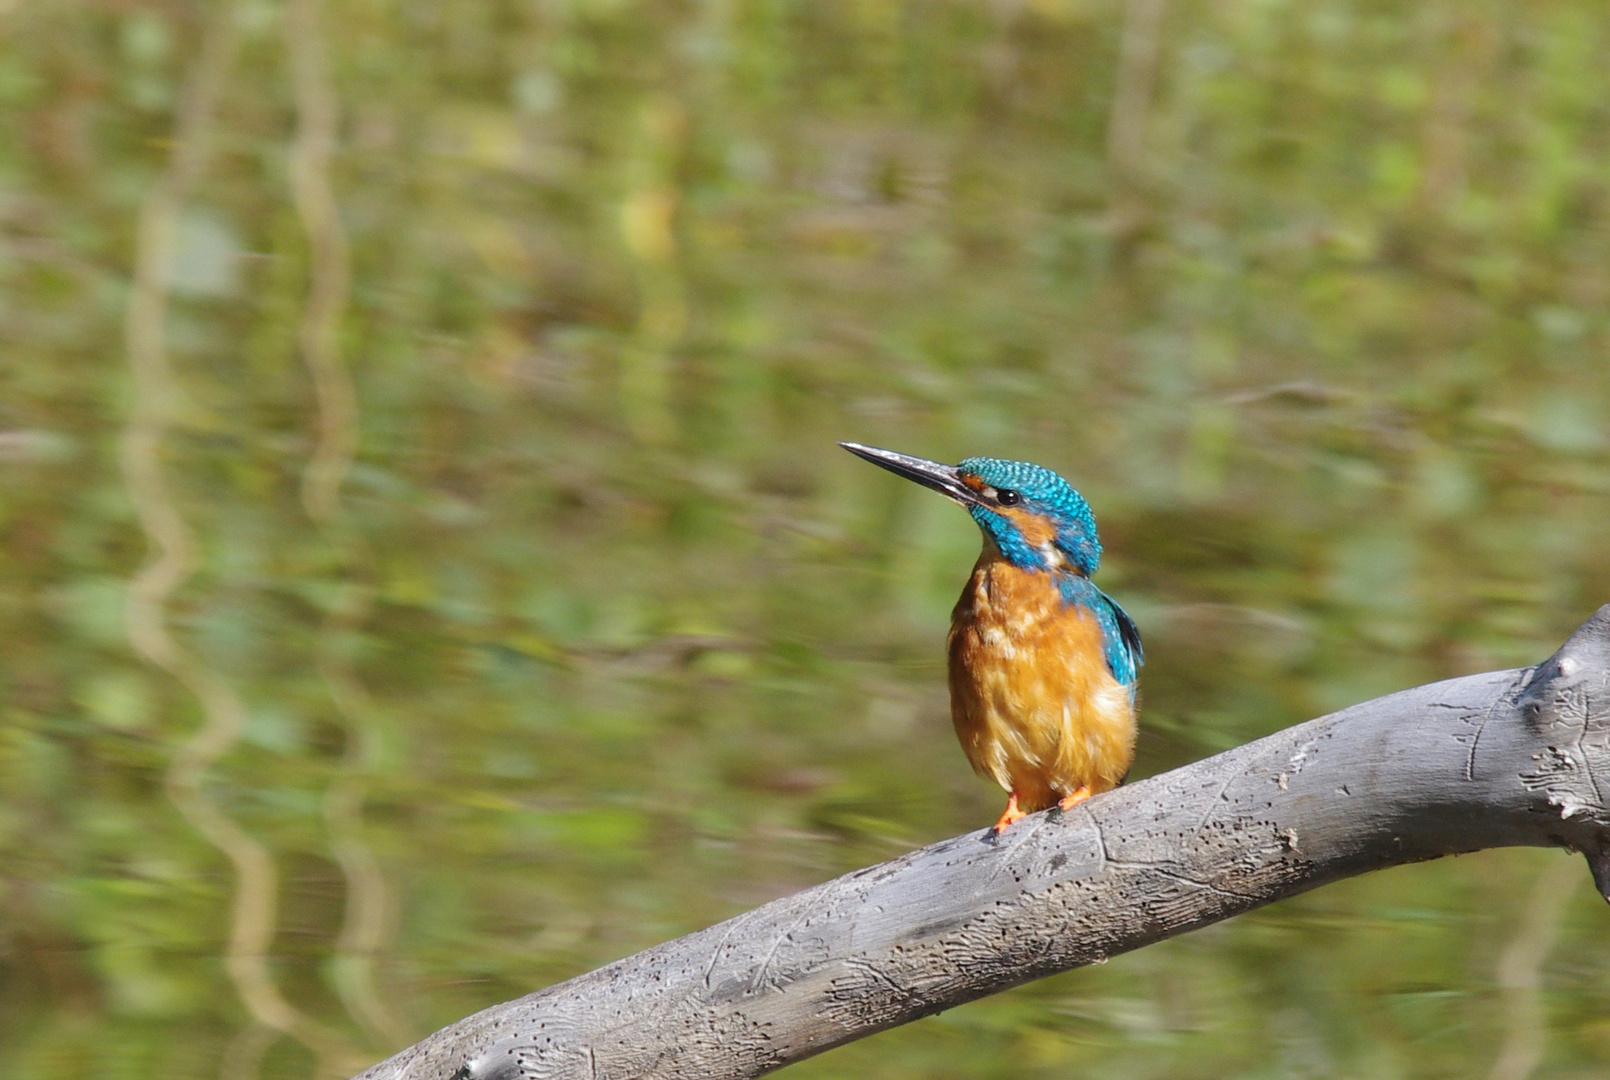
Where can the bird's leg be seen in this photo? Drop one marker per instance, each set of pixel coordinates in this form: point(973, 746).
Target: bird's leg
point(1074, 798)
point(1010, 814)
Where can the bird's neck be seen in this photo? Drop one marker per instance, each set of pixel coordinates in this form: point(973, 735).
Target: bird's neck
point(1007, 597)
point(1043, 558)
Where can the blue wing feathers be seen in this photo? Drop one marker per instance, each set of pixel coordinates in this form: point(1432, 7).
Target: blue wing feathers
point(1128, 633)
point(1118, 630)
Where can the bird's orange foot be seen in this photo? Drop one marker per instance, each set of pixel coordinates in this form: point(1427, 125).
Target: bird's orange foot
point(1074, 798)
point(1009, 815)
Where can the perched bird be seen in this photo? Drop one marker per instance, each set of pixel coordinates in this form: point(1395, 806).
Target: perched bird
point(1043, 664)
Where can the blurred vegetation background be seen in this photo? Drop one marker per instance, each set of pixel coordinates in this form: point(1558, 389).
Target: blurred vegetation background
point(428, 570)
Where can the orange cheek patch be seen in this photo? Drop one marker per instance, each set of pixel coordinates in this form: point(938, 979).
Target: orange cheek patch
point(1035, 529)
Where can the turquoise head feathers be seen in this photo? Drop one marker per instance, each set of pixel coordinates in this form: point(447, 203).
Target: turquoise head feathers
point(1036, 491)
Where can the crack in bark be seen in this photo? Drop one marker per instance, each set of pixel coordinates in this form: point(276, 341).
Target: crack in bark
point(1470, 758)
point(715, 954)
point(1174, 875)
point(759, 978)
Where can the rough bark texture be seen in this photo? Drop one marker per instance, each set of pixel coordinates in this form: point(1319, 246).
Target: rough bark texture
point(1507, 758)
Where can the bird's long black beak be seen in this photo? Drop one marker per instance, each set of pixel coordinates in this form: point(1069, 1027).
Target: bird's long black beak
point(945, 479)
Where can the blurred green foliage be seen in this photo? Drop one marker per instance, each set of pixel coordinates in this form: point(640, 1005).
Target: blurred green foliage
point(1310, 300)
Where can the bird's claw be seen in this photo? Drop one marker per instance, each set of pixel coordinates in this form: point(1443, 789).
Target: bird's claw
point(1009, 815)
point(1074, 798)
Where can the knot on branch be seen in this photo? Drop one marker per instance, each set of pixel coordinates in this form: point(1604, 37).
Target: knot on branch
point(1566, 701)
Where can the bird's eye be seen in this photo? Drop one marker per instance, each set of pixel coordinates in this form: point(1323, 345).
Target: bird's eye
point(1008, 497)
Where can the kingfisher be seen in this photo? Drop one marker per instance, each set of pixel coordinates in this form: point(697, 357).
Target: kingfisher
point(1043, 664)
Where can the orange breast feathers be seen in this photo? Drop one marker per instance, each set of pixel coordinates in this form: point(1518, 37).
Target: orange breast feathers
point(1034, 704)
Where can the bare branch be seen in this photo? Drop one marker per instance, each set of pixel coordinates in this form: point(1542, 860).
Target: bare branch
point(1502, 759)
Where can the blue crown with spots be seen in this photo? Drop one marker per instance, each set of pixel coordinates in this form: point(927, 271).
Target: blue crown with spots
point(1046, 494)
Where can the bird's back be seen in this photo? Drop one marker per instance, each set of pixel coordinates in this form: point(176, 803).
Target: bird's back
point(1042, 676)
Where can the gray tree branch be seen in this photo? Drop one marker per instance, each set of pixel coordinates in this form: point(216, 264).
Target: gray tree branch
point(1507, 758)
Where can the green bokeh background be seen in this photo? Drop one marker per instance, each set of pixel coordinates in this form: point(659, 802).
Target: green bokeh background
point(605, 640)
